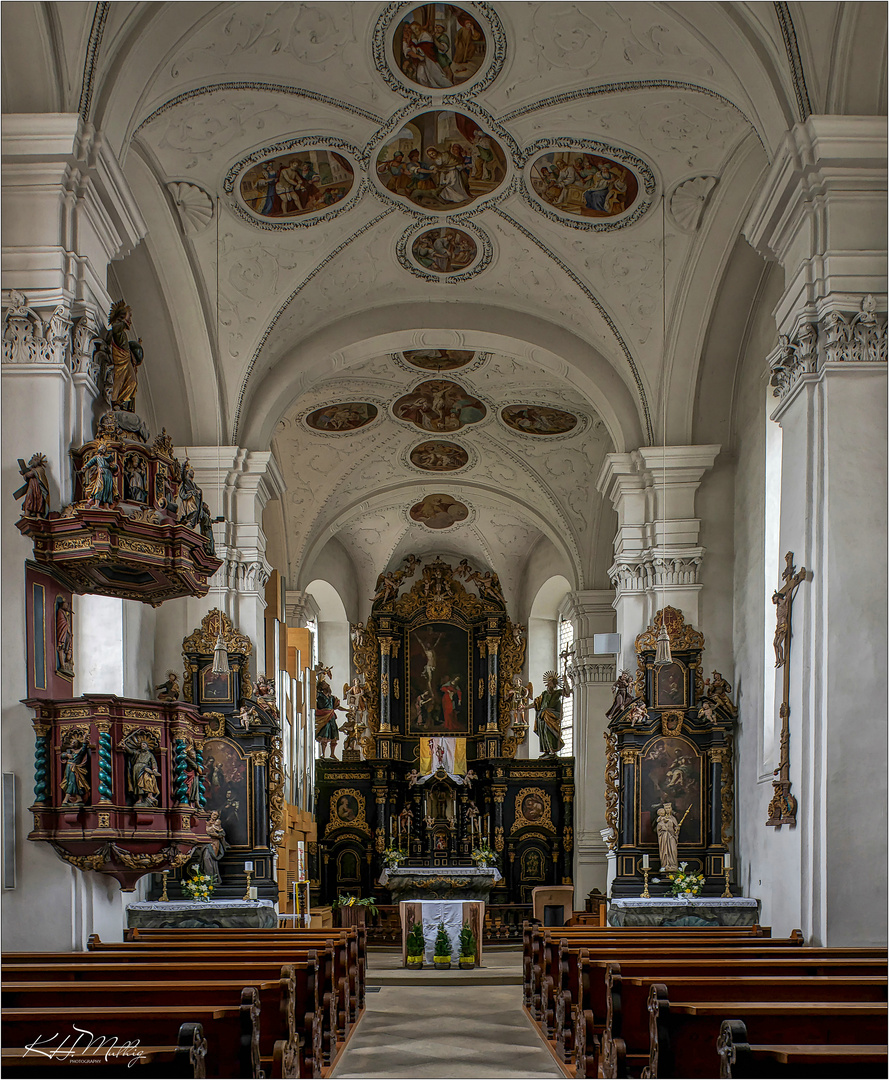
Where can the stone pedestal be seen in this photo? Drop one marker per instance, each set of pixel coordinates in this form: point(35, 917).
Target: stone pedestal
point(440, 883)
point(188, 914)
point(700, 911)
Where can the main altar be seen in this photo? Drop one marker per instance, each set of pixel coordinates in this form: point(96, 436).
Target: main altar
point(431, 771)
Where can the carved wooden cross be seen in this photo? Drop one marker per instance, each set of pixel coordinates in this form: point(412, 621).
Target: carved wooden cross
point(783, 805)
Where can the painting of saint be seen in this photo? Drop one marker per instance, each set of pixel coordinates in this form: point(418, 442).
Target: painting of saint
point(441, 160)
point(584, 185)
point(438, 359)
point(670, 772)
point(346, 808)
point(670, 685)
point(439, 405)
point(346, 416)
point(439, 512)
point(215, 687)
point(438, 677)
point(297, 184)
point(444, 251)
point(538, 420)
point(438, 456)
point(532, 807)
point(225, 783)
point(438, 46)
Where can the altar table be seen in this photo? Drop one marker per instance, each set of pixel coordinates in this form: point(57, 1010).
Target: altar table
point(673, 911)
point(453, 913)
point(193, 914)
point(440, 882)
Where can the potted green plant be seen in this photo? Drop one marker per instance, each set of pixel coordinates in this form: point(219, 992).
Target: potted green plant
point(441, 953)
point(353, 911)
point(416, 946)
point(467, 947)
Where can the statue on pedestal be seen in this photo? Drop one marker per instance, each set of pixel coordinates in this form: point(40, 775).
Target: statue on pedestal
point(326, 707)
point(548, 724)
point(212, 853)
point(169, 690)
point(142, 772)
point(35, 488)
point(667, 829)
point(75, 782)
point(126, 357)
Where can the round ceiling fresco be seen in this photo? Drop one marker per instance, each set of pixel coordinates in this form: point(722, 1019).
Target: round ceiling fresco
point(439, 359)
point(441, 160)
point(538, 419)
point(439, 511)
point(438, 456)
point(583, 185)
point(347, 416)
point(444, 251)
point(297, 184)
point(439, 46)
point(439, 405)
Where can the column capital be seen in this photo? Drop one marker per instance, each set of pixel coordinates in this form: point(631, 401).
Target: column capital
point(300, 607)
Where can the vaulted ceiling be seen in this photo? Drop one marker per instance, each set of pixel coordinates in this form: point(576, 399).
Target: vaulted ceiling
point(265, 297)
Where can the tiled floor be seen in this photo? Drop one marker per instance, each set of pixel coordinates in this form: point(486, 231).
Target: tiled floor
point(453, 1029)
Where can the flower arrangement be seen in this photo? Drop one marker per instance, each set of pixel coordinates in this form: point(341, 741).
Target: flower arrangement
point(683, 883)
point(484, 856)
point(393, 856)
point(198, 886)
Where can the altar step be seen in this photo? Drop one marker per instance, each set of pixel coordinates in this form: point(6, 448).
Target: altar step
point(501, 966)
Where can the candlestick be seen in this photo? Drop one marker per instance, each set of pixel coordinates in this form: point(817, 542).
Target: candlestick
point(247, 895)
point(726, 861)
point(646, 895)
point(727, 869)
point(645, 862)
point(164, 897)
point(248, 867)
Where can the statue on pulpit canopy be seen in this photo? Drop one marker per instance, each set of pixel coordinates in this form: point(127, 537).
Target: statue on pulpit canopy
point(548, 724)
point(126, 358)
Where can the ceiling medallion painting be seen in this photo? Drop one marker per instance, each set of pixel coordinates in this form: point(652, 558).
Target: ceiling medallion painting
point(343, 417)
point(585, 185)
point(439, 512)
point(439, 359)
point(439, 405)
point(538, 419)
point(297, 184)
point(444, 251)
point(439, 46)
point(438, 456)
point(441, 160)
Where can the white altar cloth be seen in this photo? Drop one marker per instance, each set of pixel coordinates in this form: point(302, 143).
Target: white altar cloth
point(452, 913)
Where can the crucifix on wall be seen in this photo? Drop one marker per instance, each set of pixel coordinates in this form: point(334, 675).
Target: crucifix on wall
point(783, 805)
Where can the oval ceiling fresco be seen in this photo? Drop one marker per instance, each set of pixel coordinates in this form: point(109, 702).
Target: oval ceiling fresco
point(439, 405)
point(438, 359)
point(583, 185)
point(296, 184)
point(439, 511)
point(438, 456)
point(444, 251)
point(343, 417)
point(538, 419)
point(441, 160)
point(439, 46)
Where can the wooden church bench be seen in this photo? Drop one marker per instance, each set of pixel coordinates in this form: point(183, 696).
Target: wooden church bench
point(232, 1031)
point(741, 1060)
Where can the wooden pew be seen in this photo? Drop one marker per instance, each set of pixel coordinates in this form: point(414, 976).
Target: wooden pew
point(294, 1016)
point(684, 1034)
point(184, 1060)
point(626, 1038)
point(741, 1060)
point(232, 1031)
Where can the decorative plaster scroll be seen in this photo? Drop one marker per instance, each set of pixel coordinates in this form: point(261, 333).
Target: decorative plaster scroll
point(28, 339)
point(612, 787)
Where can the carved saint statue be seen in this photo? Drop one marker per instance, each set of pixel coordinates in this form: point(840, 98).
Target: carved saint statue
point(190, 501)
point(548, 724)
point(623, 695)
point(193, 774)
point(126, 358)
point(249, 717)
point(64, 637)
point(169, 690)
point(35, 488)
point(212, 853)
point(717, 690)
point(667, 829)
point(782, 604)
point(75, 779)
point(264, 692)
point(142, 772)
point(99, 469)
point(326, 707)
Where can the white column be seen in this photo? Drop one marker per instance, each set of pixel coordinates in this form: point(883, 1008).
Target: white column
point(590, 612)
point(821, 214)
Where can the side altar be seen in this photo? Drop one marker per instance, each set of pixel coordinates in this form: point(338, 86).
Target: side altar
point(440, 883)
point(437, 777)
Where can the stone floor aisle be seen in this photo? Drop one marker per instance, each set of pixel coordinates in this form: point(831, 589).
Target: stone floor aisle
point(452, 1028)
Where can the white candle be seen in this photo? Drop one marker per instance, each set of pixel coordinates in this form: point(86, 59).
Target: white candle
point(726, 862)
point(645, 863)
point(248, 867)
point(254, 894)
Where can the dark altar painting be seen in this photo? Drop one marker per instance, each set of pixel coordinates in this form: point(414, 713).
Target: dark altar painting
point(347, 808)
point(670, 685)
point(441, 160)
point(440, 697)
point(438, 46)
point(670, 772)
point(297, 184)
point(225, 782)
point(347, 416)
point(215, 688)
point(538, 419)
point(584, 185)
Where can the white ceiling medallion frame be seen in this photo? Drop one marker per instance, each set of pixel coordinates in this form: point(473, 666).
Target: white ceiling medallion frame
point(582, 425)
point(456, 495)
point(478, 361)
point(231, 184)
point(445, 436)
point(381, 406)
point(384, 54)
point(645, 178)
point(484, 254)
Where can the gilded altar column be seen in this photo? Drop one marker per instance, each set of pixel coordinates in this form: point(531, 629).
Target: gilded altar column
point(384, 739)
point(493, 738)
point(498, 790)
